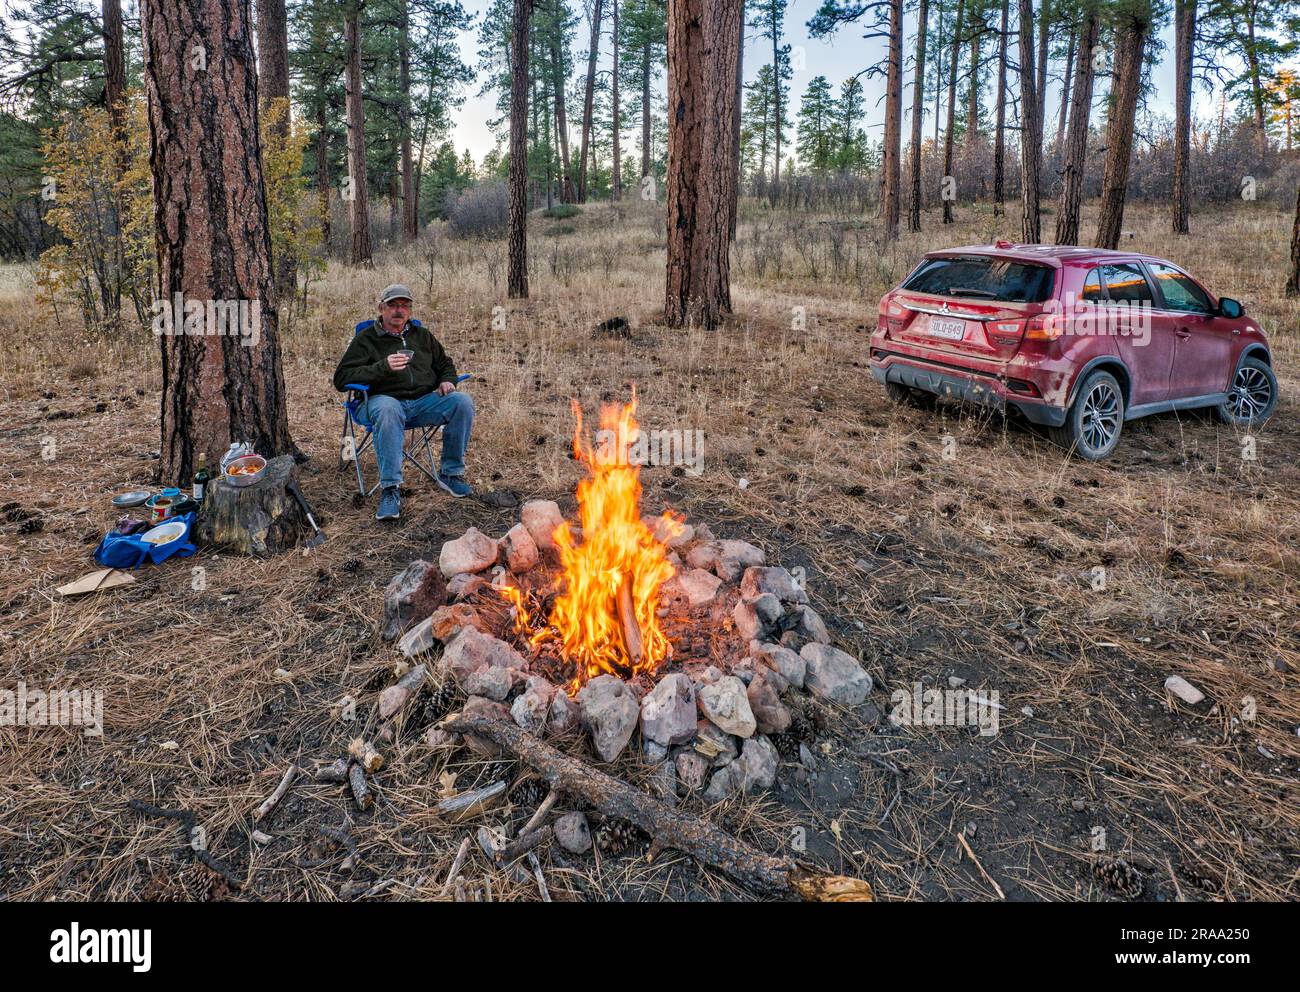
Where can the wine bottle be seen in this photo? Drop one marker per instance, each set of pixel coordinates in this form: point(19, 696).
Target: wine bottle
point(201, 479)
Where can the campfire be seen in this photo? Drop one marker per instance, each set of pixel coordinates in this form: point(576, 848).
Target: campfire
point(611, 572)
point(619, 622)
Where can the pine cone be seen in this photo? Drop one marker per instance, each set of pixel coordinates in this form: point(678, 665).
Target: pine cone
point(801, 729)
point(787, 745)
point(1121, 877)
point(529, 793)
point(615, 836)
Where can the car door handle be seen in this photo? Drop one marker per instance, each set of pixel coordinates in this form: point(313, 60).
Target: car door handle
point(1183, 333)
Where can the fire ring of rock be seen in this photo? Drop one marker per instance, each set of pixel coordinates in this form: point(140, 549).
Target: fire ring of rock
point(746, 653)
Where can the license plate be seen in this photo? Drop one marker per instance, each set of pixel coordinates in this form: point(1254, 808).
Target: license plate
point(953, 330)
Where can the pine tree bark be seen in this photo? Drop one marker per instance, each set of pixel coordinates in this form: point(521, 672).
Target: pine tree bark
point(558, 76)
point(955, 58)
point(1293, 280)
point(211, 234)
point(735, 122)
point(1185, 31)
point(1065, 84)
point(517, 276)
point(114, 64)
point(776, 104)
point(893, 122)
point(410, 217)
point(973, 94)
point(273, 84)
point(918, 95)
point(359, 197)
point(1076, 138)
point(588, 99)
point(616, 179)
point(1044, 19)
point(703, 39)
point(1000, 128)
point(1031, 131)
point(323, 168)
point(1130, 43)
point(645, 112)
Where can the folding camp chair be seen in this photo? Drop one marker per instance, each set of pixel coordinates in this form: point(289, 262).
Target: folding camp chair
point(351, 450)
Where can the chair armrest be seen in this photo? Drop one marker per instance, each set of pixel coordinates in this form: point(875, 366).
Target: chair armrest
point(464, 376)
point(358, 387)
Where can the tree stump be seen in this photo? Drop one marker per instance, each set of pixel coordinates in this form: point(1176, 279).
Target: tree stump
point(261, 519)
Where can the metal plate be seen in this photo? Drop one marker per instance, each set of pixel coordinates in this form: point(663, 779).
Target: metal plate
point(134, 498)
point(952, 330)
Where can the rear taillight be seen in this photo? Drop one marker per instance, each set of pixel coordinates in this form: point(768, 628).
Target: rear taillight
point(1044, 327)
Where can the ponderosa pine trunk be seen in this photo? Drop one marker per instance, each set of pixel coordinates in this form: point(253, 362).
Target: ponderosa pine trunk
point(114, 64)
point(517, 276)
point(616, 179)
point(222, 379)
point(272, 85)
point(558, 76)
point(1185, 32)
point(410, 219)
point(1000, 128)
point(1130, 43)
point(588, 100)
point(1065, 84)
point(918, 95)
point(703, 41)
point(1044, 19)
point(1031, 131)
point(323, 169)
point(973, 94)
point(645, 112)
point(955, 57)
point(1293, 280)
point(358, 193)
point(893, 122)
point(1075, 153)
point(735, 121)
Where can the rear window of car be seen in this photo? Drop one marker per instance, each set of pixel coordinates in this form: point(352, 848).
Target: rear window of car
point(982, 277)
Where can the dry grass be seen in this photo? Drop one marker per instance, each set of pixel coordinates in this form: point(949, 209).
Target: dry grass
point(976, 567)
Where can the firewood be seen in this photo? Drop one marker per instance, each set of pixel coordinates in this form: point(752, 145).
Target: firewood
point(365, 755)
point(631, 629)
point(273, 800)
point(470, 804)
point(759, 872)
point(335, 772)
point(360, 790)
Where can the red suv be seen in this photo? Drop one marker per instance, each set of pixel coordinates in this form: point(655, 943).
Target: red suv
point(1076, 339)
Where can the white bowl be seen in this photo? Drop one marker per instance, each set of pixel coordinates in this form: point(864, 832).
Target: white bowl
point(164, 533)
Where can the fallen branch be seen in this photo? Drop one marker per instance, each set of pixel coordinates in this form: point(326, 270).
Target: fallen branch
point(759, 872)
point(456, 865)
point(523, 844)
point(335, 772)
point(185, 819)
point(360, 791)
point(542, 810)
point(271, 801)
point(470, 804)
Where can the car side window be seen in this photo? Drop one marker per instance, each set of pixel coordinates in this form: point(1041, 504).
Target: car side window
point(1125, 283)
point(1179, 291)
point(1092, 288)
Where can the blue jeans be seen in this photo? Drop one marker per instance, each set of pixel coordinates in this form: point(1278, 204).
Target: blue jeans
point(389, 418)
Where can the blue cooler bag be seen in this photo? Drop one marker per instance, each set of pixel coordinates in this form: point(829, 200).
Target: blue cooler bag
point(127, 551)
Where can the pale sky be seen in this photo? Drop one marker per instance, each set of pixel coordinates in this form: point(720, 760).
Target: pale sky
point(838, 58)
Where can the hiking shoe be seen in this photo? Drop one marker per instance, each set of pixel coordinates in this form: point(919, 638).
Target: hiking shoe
point(390, 503)
point(455, 484)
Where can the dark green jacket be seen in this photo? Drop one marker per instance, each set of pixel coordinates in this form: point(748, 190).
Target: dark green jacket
point(366, 363)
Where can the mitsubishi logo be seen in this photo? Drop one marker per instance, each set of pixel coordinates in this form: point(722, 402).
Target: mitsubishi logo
point(943, 307)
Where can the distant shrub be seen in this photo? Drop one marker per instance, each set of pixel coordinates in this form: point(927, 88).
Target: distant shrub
point(562, 211)
point(480, 211)
point(561, 229)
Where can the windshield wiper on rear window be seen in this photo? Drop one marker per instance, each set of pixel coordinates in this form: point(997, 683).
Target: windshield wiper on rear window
point(971, 291)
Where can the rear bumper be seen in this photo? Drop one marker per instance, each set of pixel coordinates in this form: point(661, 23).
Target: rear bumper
point(984, 389)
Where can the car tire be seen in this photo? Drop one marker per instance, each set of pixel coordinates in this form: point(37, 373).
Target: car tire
point(1096, 419)
point(1252, 395)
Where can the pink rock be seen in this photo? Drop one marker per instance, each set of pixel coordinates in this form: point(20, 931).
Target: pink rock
point(519, 549)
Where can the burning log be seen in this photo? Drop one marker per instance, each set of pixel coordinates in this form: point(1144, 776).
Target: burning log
point(627, 616)
point(670, 828)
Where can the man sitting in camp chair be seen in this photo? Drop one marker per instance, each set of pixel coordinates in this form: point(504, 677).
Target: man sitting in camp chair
point(412, 384)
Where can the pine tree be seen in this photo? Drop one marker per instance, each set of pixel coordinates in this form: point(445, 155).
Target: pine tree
point(816, 124)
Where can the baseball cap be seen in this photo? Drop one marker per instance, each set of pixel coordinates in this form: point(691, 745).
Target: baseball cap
point(394, 292)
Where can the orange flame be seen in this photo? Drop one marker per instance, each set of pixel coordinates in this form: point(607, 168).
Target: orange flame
point(605, 615)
